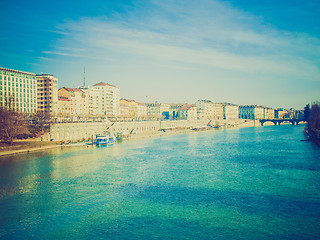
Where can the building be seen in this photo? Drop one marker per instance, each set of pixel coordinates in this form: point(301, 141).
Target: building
point(47, 94)
point(156, 111)
point(129, 108)
point(18, 90)
point(141, 111)
point(269, 113)
point(174, 109)
point(77, 106)
point(188, 112)
point(280, 113)
point(209, 110)
point(64, 108)
point(251, 112)
point(230, 111)
point(104, 100)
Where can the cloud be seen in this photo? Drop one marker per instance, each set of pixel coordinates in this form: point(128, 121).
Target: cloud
point(192, 35)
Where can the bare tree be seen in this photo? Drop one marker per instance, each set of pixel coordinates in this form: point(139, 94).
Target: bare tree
point(12, 124)
point(42, 120)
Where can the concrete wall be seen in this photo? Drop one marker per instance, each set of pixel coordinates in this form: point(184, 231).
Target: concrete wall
point(78, 131)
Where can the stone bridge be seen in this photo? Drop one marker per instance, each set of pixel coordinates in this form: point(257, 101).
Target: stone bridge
point(293, 121)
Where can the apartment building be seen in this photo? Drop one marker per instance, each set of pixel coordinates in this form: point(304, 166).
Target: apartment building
point(251, 112)
point(230, 111)
point(74, 100)
point(104, 100)
point(187, 112)
point(158, 110)
point(269, 113)
point(47, 94)
point(142, 111)
point(18, 90)
point(209, 110)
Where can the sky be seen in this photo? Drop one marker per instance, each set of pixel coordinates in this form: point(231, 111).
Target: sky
point(173, 51)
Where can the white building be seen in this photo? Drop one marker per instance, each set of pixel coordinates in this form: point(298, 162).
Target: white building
point(209, 110)
point(18, 89)
point(230, 111)
point(104, 99)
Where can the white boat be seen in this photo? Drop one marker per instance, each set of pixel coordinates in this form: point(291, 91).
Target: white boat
point(105, 140)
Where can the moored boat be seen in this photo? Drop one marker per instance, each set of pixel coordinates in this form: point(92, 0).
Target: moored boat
point(101, 140)
point(105, 140)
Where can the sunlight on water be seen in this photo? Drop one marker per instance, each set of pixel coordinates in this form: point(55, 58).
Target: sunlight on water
point(255, 183)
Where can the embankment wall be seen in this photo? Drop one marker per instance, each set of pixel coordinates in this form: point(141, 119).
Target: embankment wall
point(79, 131)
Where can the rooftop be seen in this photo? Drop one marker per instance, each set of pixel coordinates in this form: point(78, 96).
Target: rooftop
point(16, 71)
point(104, 84)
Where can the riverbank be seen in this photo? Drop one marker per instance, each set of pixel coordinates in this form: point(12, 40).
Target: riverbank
point(27, 146)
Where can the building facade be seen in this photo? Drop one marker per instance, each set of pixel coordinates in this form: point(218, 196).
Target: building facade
point(18, 90)
point(104, 99)
point(251, 112)
point(188, 112)
point(269, 113)
point(77, 101)
point(158, 110)
point(209, 110)
point(230, 111)
point(47, 94)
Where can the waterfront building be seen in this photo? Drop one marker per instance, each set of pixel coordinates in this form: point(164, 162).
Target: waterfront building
point(77, 105)
point(251, 112)
point(141, 111)
point(279, 113)
point(209, 110)
point(174, 109)
point(47, 94)
point(269, 113)
point(130, 106)
point(158, 110)
point(230, 111)
point(104, 100)
point(64, 108)
point(188, 112)
point(18, 90)
point(124, 111)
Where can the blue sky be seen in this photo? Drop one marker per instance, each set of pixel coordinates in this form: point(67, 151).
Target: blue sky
point(238, 51)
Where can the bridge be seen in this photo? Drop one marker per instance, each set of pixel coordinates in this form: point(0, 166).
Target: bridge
point(293, 121)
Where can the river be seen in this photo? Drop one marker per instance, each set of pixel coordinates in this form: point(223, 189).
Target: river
point(250, 183)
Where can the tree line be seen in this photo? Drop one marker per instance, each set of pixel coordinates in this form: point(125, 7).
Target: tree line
point(312, 116)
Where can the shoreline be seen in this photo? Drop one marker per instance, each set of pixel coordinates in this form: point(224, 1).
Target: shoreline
point(131, 137)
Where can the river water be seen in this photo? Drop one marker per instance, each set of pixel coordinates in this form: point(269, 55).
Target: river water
point(252, 183)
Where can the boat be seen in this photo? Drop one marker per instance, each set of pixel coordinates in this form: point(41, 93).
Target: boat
point(101, 140)
point(105, 140)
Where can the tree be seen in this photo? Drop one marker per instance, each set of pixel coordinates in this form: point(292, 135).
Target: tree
point(314, 118)
point(41, 120)
point(12, 124)
point(306, 113)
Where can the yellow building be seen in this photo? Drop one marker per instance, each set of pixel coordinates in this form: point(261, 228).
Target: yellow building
point(18, 89)
point(47, 94)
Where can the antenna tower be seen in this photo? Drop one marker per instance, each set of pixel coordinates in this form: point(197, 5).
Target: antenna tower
point(84, 76)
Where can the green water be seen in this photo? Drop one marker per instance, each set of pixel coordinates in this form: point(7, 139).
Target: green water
point(254, 183)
